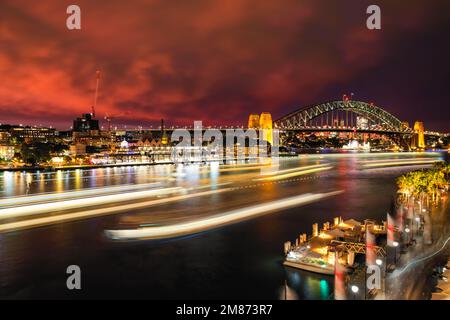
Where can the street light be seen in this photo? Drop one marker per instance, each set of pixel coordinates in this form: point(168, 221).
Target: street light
point(379, 262)
point(395, 244)
point(355, 290)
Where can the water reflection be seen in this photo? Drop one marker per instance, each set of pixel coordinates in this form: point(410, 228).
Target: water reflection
point(242, 261)
point(308, 285)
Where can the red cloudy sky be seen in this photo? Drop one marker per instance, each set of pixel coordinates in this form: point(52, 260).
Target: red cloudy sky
point(218, 61)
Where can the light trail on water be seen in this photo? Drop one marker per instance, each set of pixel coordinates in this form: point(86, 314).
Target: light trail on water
point(76, 203)
point(186, 228)
point(32, 223)
point(293, 174)
point(44, 197)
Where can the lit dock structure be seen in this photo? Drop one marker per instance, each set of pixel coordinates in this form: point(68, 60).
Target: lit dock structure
point(342, 241)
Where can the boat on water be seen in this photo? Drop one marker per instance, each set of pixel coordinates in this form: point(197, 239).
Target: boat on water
point(308, 261)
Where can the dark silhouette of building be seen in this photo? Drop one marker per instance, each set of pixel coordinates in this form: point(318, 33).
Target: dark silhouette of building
point(86, 124)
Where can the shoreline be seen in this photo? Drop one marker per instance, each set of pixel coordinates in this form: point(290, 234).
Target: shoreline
point(131, 164)
point(94, 166)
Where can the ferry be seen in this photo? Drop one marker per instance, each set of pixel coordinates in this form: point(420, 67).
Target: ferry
point(318, 254)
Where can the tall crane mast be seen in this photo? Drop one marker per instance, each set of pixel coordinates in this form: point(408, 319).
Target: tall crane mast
point(97, 75)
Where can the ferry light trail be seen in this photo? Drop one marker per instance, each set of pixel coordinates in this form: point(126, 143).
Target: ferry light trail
point(398, 163)
point(76, 203)
point(15, 201)
point(180, 229)
point(268, 172)
point(32, 223)
point(293, 174)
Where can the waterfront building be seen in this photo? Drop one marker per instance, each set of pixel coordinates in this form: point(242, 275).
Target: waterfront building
point(77, 149)
point(4, 136)
point(149, 146)
point(17, 133)
point(6, 152)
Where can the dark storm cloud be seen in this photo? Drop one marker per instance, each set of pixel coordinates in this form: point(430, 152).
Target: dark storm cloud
point(217, 61)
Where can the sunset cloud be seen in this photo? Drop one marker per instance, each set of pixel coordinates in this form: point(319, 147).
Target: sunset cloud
point(217, 61)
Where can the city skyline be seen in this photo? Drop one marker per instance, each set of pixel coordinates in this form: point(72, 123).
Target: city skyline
point(220, 156)
point(206, 57)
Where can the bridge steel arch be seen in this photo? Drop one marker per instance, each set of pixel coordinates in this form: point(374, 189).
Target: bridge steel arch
point(298, 119)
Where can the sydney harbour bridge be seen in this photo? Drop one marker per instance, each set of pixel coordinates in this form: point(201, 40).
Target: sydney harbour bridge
point(342, 116)
point(346, 115)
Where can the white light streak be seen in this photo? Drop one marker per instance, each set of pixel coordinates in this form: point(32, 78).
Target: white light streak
point(216, 221)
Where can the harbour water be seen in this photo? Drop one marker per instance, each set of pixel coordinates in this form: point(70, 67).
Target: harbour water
point(242, 260)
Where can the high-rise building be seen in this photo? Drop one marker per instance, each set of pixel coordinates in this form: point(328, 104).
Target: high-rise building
point(85, 124)
point(86, 130)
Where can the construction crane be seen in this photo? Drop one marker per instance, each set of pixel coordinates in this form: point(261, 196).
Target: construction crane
point(97, 75)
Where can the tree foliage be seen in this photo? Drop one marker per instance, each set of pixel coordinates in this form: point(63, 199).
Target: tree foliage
point(425, 183)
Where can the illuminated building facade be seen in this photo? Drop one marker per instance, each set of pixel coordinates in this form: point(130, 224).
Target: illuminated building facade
point(77, 149)
point(26, 133)
point(6, 152)
point(4, 137)
point(31, 133)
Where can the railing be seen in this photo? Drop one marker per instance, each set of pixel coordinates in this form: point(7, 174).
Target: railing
point(357, 247)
